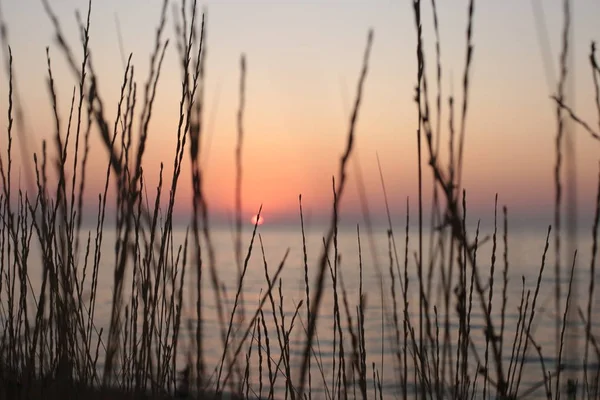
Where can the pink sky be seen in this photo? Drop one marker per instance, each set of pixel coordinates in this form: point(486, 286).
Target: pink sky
point(303, 65)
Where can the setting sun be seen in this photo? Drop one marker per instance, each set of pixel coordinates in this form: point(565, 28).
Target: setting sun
point(256, 220)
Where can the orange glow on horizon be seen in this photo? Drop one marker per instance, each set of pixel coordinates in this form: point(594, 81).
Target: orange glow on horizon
point(256, 220)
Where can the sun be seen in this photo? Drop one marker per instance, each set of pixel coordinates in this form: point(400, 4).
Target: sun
point(256, 220)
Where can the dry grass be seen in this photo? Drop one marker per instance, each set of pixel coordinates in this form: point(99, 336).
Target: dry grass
point(50, 344)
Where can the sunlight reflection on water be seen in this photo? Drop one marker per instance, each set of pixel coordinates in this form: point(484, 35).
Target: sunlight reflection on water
point(525, 255)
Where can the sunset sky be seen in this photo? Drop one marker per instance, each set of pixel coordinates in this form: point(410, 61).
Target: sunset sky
point(303, 63)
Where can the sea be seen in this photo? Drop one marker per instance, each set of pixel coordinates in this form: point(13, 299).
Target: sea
point(374, 262)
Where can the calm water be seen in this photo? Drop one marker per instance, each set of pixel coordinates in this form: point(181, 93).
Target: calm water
point(525, 255)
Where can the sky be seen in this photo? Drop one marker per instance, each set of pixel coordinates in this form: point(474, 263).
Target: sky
point(303, 62)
